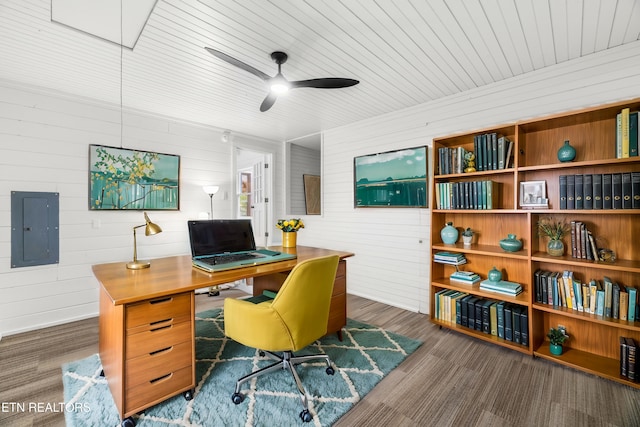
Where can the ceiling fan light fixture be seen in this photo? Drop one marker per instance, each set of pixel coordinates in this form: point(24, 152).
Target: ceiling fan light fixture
point(279, 84)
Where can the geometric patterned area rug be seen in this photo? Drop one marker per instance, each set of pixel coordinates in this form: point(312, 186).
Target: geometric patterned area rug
point(361, 360)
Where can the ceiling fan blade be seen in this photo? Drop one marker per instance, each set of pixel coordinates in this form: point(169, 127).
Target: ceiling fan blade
point(326, 83)
point(238, 63)
point(268, 102)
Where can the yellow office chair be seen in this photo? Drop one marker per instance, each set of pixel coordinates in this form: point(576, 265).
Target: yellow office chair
point(295, 318)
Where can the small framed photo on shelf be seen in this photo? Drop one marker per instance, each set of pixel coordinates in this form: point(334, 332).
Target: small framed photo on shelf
point(533, 195)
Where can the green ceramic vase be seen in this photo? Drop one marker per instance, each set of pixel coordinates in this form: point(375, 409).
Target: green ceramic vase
point(566, 153)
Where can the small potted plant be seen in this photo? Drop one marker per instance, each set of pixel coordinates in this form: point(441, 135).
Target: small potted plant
point(556, 337)
point(467, 236)
point(555, 231)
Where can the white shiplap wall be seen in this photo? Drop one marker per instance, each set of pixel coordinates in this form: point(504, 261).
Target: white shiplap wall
point(44, 138)
point(392, 245)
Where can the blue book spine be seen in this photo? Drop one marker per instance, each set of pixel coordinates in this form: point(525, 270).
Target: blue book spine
point(632, 303)
point(600, 302)
point(500, 315)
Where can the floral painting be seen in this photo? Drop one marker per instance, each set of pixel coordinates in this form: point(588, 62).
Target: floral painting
point(133, 180)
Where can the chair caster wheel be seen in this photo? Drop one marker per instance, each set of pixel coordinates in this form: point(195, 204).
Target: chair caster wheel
point(330, 371)
point(102, 373)
point(128, 422)
point(237, 398)
point(261, 353)
point(188, 395)
point(305, 416)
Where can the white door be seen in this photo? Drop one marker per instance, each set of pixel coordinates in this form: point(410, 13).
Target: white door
point(260, 197)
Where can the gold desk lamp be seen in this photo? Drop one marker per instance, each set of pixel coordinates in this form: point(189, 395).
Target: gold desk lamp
point(150, 230)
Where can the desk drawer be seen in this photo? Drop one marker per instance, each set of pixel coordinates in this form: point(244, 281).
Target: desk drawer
point(160, 388)
point(153, 340)
point(156, 364)
point(157, 310)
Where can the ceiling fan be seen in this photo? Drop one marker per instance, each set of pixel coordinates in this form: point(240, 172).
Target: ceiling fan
point(279, 84)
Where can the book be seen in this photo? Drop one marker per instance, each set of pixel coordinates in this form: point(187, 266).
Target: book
point(471, 312)
point(486, 316)
point(467, 277)
point(507, 158)
point(608, 290)
point(524, 326)
point(578, 189)
point(607, 191)
point(508, 319)
point(536, 285)
point(566, 281)
point(593, 288)
point(615, 301)
point(632, 359)
point(597, 190)
point(562, 186)
point(600, 302)
point(624, 357)
point(635, 190)
point(625, 132)
point(571, 191)
point(616, 190)
point(577, 290)
point(627, 198)
point(633, 134)
point(624, 304)
point(501, 151)
point(515, 324)
point(478, 314)
point(587, 191)
point(493, 318)
point(633, 301)
point(500, 317)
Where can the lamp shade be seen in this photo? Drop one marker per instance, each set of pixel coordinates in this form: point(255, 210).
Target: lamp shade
point(151, 227)
point(211, 189)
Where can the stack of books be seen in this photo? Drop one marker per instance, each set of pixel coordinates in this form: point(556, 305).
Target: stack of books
point(452, 258)
point(502, 287)
point(467, 277)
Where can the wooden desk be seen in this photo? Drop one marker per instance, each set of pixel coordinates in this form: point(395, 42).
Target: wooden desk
point(147, 344)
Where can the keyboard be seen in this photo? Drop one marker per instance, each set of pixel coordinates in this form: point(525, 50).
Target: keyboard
point(228, 258)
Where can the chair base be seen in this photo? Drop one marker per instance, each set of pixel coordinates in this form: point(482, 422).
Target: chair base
point(288, 362)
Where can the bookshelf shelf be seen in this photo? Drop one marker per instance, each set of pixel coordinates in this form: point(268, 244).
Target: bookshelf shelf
point(594, 345)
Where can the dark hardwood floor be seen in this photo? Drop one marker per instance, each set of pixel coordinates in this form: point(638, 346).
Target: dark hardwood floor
point(451, 380)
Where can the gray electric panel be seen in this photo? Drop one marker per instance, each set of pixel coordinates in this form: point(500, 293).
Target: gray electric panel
point(35, 228)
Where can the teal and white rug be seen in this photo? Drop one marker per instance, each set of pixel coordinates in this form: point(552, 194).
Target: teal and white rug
point(362, 359)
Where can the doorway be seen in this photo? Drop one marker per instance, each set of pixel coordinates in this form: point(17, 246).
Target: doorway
point(254, 191)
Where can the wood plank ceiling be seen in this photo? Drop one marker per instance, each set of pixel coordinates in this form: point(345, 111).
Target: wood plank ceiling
point(404, 52)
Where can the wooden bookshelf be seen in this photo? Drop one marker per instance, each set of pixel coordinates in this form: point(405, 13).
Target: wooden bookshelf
point(593, 346)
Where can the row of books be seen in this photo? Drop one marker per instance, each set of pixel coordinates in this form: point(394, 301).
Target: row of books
point(504, 320)
point(493, 151)
point(600, 191)
point(452, 258)
point(605, 298)
point(467, 195)
point(629, 359)
point(583, 243)
point(628, 133)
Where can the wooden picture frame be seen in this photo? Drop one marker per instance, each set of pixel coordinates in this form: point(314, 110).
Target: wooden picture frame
point(312, 194)
point(126, 179)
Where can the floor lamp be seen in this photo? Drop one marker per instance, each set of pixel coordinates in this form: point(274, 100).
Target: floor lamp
point(211, 190)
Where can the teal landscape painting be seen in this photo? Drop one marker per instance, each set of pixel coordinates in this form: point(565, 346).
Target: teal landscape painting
point(132, 179)
point(395, 178)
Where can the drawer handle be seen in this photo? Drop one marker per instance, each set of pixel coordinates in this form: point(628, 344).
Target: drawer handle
point(161, 328)
point(160, 300)
point(153, 353)
point(164, 377)
point(161, 321)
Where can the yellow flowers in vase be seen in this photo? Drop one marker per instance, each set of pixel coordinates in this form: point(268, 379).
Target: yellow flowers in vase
point(289, 228)
point(289, 225)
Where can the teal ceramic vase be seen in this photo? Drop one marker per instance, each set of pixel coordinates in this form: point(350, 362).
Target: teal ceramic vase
point(511, 244)
point(555, 349)
point(566, 153)
point(494, 275)
point(449, 234)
